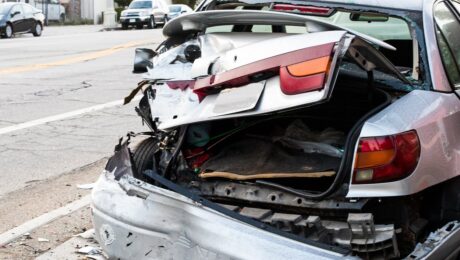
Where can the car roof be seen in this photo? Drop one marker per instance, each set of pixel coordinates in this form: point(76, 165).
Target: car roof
point(415, 5)
point(8, 4)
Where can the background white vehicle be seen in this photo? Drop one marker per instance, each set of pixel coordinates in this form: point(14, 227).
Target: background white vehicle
point(54, 12)
point(177, 10)
point(144, 12)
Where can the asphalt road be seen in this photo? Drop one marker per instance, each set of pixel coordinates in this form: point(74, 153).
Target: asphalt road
point(59, 99)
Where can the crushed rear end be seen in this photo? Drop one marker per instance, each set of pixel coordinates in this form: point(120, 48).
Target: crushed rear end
point(250, 153)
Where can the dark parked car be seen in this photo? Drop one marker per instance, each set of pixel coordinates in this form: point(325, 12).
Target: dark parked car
point(20, 18)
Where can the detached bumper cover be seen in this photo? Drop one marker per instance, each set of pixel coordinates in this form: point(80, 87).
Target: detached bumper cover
point(135, 220)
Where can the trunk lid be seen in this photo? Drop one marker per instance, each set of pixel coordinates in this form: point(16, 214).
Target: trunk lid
point(254, 73)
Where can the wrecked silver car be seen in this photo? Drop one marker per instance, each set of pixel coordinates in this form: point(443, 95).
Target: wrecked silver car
point(292, 130)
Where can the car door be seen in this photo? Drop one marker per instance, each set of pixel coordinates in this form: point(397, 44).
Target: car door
point(447, 21)
point(29, 20)
point(17, 18)
point(53, 10)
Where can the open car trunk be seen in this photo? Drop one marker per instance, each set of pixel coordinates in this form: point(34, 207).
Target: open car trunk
point(303, 149)
point(276, 109)
point(266, 122)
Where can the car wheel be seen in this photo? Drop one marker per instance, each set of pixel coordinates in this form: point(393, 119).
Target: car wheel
point(144, 157)
point(124, 26)
point(62, 19)
point(37, 30)
point(139, 26)
point(8, 31)
point(151, 23)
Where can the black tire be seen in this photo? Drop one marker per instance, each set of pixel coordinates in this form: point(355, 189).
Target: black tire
point(124, 26)
point(151, 24)
point(143, 157)
point(62, 19)
point(38, 29)
point(8, 31)
point(139, 26)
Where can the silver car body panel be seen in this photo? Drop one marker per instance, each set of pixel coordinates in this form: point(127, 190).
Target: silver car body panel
point(436, 118)
point(128, 227)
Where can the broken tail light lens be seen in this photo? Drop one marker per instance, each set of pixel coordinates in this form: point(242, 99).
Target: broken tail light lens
point(386, 158)
point(303, 9)
point(304, 76)
point(180, 84)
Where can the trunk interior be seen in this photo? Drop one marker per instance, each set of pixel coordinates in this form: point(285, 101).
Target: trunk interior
point(301, 148)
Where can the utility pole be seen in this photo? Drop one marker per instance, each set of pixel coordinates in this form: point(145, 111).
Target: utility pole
point(72, 10)
point(109, 15)
point(46, 12)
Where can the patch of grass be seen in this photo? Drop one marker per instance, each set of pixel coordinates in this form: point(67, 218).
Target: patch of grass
point(72, 22)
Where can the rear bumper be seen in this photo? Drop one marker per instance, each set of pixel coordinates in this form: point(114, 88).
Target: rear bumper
point(135, 20)
point(161, 224)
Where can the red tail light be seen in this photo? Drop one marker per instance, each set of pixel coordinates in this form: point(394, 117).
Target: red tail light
point(300, 71)
point(303, 9)
point(386, 158)
point(304, 76)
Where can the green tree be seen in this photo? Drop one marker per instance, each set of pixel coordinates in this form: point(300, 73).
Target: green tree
point(122, 3)
point(190, 3)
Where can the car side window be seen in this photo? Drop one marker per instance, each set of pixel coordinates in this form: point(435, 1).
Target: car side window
point(15, 9)
point(28, 10)
point(448, 37)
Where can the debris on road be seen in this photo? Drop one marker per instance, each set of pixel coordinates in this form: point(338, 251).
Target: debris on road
point(87, 186)
point(89, 234)
point(41, 239)
point(89, 250)
point(26, 236)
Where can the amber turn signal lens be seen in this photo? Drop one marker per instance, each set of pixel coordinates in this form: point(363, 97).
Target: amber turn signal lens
point(373, 159)
point(386, 158)
point(309, 67)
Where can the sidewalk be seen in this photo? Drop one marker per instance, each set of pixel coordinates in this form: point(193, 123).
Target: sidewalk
point(71, 29)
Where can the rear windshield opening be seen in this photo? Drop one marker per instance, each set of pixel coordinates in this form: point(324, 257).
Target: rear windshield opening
point(390, 29)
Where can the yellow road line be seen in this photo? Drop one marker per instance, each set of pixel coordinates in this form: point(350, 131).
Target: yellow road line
point(74, 59)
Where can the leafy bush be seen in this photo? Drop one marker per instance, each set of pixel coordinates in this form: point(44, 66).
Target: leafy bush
point(118, 10)
point(122, 3)
point(190, 3)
